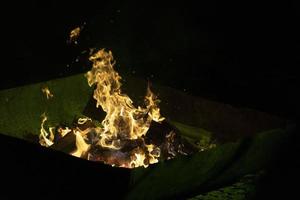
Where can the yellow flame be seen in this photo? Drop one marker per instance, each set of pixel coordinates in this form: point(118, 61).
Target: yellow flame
point(83, 120)
point(47, 92)
point(74, 35)
point(152, 101)
point(82, 146)
point(154, 153)
point(138, 160)
point(123, 121)
point(46, 138)
point(64, 131)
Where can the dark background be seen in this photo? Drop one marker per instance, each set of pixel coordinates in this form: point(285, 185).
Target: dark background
point(242, 53)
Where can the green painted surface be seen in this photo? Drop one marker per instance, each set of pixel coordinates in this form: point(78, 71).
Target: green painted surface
point(204, 170)
point(199, 137)
point(21, 108)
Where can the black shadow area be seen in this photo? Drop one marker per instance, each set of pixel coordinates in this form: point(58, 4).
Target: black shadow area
point(33, 171)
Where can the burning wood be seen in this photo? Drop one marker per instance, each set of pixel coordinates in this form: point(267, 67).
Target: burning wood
point(162, 140)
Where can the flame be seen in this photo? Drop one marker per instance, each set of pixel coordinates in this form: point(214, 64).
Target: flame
point(83, 120)
point(123, 121)
point(46, 137)
point(139, 160)
point(74, 35)
point(47, 92)
point(63, 131)
point(82, 146)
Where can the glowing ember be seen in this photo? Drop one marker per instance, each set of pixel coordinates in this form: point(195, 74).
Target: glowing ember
point(123, 130)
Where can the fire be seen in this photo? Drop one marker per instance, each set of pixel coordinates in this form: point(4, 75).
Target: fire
point(46, 137)
point(74, 35)
point(123, 121)
point(47, 92)
point(82, 146)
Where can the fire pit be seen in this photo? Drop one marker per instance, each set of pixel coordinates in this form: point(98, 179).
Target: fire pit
point(122, 138)
point(246, 140)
